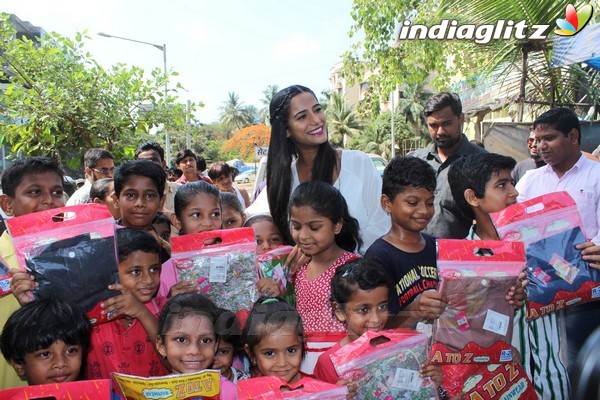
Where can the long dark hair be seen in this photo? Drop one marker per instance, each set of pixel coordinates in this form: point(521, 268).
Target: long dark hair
point(283, 150)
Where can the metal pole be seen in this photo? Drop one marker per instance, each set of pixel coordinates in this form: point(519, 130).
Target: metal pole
point(167, 140)
point(393, 140)
point(188, 128)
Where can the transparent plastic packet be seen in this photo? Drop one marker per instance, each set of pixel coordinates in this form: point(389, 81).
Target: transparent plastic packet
point(272, 265)
point(385, 365)
point(551, 227)
point(275, 388)
point(477, 324)
point(222, 263)
point(71, 253)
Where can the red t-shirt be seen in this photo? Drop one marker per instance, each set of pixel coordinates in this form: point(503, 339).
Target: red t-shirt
point(324, 370)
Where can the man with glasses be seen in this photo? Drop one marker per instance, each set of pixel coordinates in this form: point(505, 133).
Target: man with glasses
point(534, 161)
point(98, 163)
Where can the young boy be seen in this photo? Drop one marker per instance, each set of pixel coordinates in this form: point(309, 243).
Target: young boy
point(125, 344)
point(408, 254)
point(46, 341)
point(482, 184)
point(29, 185)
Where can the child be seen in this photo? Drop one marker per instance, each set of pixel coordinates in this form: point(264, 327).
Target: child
point(125, 344)
point(29, 185)
point(101, 193)
point(222, 176)
point(324, 230)
point(359, 296)
point(162, 226)
point(229, 346)
point(233, 211)
point(46, 341)
point(188, 339)
point(266, 232)
point(407, 255)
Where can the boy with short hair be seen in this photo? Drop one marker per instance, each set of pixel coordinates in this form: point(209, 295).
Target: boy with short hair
point(407, 254)
point(29, 185)
point(46, 341)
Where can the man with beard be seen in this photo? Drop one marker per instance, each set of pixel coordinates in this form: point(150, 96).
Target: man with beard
point(534, 161)
point(445, 120)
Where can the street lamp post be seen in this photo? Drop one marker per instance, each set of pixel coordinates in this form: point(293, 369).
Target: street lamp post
point(162, 48)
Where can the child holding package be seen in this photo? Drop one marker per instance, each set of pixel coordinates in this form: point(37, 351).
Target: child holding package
point(324, 230)
point(266, 232)
point(188, 337)
point(233, 211)
point(29, 185)
point(359, 296)
point(45, 341)
point(230, 346)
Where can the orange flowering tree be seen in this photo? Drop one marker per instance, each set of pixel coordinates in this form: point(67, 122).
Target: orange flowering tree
point(241, 144)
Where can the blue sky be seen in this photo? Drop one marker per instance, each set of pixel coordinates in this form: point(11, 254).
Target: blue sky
point(216, 46)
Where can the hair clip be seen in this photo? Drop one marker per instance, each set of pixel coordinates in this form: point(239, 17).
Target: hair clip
point(348, 271)
point(270, 300)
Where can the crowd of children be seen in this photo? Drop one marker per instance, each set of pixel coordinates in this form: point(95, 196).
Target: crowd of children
point(158, 325)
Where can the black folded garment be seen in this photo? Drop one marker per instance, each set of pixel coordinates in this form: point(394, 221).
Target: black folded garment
point(78, 269)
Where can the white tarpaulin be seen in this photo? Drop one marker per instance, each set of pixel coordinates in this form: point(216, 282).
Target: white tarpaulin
point(583, 46)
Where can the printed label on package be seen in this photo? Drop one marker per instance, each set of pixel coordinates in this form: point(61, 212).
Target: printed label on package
point(406, 379)
point(496, 322)
point(563, 268)
point(218, 269)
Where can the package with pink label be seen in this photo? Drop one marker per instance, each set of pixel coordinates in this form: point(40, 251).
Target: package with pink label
point(475, 277)
point(385, 365)
point(71, 253)
point(222, 263)
point(272, 265)
point(551, 227)
point(275, 388)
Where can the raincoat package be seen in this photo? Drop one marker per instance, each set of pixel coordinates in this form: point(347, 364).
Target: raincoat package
point(385, 365)
point(272, 265)
point(551, 227)
point(79, 390)
point(203, 385)
point(71, 253)
point(274, 388)
point(477, 324)
point(222, 263)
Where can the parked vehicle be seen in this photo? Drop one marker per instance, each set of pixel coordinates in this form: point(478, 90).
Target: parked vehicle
point(246, 176)
point(379, 163)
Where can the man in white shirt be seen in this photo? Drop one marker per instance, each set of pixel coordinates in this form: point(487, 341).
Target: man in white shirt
point(98, 163)
point(558, 138)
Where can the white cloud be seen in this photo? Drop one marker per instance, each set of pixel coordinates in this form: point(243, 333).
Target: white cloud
point(298, 45)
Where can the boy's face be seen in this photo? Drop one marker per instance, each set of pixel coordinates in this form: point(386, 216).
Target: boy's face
point(139, 202)
point(411, 209)
point(267, 236)
point(223, 357)
point(499, 193)
point(58, 363)
point(140, 274)
point(164, 231)
point(36, 192)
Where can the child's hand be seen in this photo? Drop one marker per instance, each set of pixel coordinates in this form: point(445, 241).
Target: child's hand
point(591, 253)
point(433, 372)
point(352, 388)
point(124, 304)
point(296, 259)
point(516, 355)
point(430, 304)
point(268, 287)
point(22, 285)
point(183, 287)
point(516, 294)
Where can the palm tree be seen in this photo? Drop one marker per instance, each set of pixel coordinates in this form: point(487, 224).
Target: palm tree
point(234, 115)
point(411, 105)
point(342, 121)
point(268, 94)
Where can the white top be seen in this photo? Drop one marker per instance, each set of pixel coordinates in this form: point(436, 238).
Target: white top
point(360, 184)
point(81, 195)
point(238, 194)
point(582, 182)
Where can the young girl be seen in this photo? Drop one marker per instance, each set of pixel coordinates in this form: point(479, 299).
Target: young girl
point(266, 232)
point(324, 230)
point(359, 296)
point(162, 227)
point(197, 209)
point(187, 338)
point(230, 345)
point(101, 193)
point(232, 211)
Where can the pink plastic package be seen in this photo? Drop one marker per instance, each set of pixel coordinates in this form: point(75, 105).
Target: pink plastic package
point(551, 227)
point(477, 324)
point(385, 365)
point(71, 253)
point(222, 263)
point(274, 388)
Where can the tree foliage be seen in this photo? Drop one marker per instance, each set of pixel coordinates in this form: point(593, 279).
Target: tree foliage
point(268, 95)
point(342, 121)
point(59, 101)
point(241, 144)
point(235, 115)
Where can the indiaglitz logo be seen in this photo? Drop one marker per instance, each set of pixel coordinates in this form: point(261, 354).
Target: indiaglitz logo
point(575, 20)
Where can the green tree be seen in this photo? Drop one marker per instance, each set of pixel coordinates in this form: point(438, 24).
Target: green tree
point(268, 95)
point(342, 121)
point(235, 115)
point(410, 105)
point(59, 101)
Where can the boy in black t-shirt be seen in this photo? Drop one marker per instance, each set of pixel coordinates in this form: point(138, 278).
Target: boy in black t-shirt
point(407, 254)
